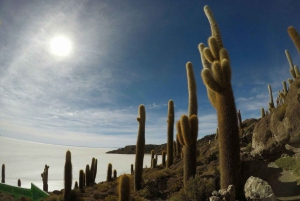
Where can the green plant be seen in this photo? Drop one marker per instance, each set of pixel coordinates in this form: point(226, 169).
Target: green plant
point(109, 172)
point(289, 163)
point(140, 147)
point(216, 75)
point(196, 189)
point(124, 188)
point(68, 176)
point(249, 147)
point(170, 133)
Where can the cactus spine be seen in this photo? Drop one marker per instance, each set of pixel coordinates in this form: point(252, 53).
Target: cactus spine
point(109, 172)
point(294, 35)
point(44, 176)
point(3, 174)
point(216, 75)
point(140, 147)
point(81, 180)
point(68, 176)
point(124, 188)
point(170, 133)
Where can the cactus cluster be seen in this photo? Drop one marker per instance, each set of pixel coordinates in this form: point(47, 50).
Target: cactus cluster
point(140, 148)
point(216, 75)
point(44, 176)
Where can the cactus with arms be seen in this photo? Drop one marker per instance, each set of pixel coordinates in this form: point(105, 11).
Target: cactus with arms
point(216, 75)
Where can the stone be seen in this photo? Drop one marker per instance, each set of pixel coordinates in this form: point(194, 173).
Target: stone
point(256, 188)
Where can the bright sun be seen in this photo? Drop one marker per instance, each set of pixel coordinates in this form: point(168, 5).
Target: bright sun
point(60, 46)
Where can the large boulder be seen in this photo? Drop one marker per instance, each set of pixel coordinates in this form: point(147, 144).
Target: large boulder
point(258, 189)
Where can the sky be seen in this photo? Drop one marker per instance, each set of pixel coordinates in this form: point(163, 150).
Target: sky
point(127, 53)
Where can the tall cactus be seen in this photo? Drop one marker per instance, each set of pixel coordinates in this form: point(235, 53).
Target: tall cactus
point(68, 176)
point(292, 70)
point(131, 168)
point(109, 172)
point(163, 158)
point(19, 182)
point(152, 156)
point(3, 174)
point(140, 148)
point(188, 132)
point(170, 133)
point(192, 90)
point(216, 75)
point(124, 188)
point(87, 175)
point(115, 173)
point(262, 112)
point(271, 103)
point(294, 35)
point(93, 171)
point(44, 176)
point(81, 179)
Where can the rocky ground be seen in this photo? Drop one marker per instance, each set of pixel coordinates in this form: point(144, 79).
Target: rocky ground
point(269, 151)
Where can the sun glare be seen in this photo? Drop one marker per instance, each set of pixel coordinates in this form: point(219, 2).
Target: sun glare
point(60, 46)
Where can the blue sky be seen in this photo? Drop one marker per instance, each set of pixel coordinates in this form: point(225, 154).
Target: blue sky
point(127, 53)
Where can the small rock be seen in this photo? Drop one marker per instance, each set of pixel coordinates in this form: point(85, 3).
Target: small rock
point(215, 193)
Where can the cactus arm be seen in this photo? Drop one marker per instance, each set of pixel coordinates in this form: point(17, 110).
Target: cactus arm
point(294, 35)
